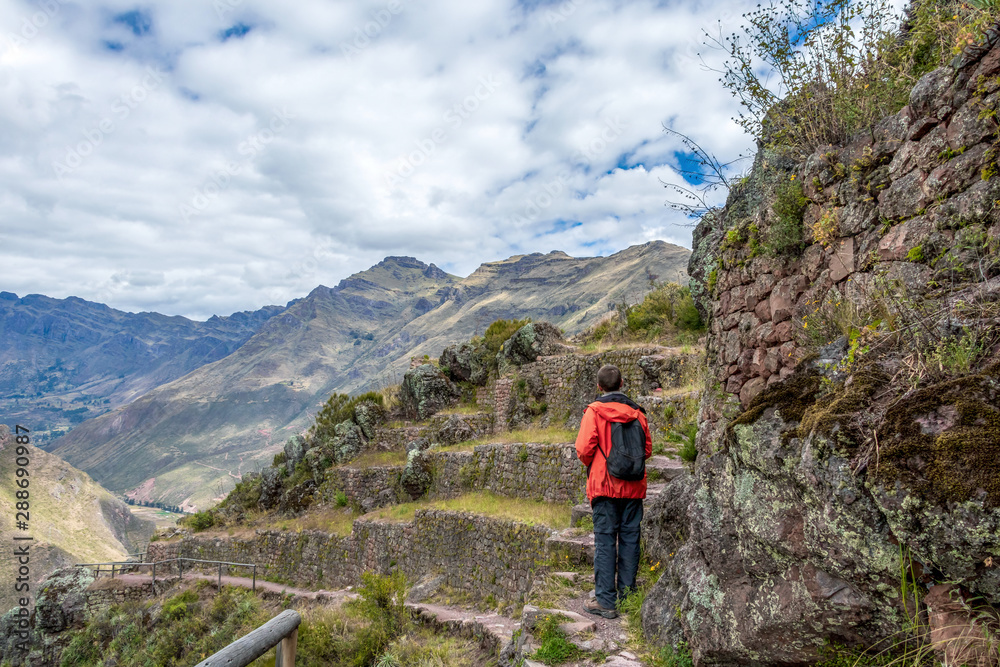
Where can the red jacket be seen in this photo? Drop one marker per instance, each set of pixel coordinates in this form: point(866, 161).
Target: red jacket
point(595, 431)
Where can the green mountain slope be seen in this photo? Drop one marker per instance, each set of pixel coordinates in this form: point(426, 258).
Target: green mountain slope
point(72, 518)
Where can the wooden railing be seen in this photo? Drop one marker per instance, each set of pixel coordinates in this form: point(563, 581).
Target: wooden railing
point(128, 566)
point(283, 629)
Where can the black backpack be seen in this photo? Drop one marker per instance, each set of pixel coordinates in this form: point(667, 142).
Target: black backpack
point(627, 458)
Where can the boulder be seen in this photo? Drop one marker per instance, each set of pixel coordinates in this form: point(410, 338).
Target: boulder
point(348, 441)
point(462, 363)
point(426, 390)
point(295, 450)
point(369, 415)
point(419, 444)
point(533, 340)
point(270, 488)
point(417, 475)
point(455, 430)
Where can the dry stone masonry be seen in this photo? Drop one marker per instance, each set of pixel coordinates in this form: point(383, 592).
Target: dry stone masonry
point(475, 553)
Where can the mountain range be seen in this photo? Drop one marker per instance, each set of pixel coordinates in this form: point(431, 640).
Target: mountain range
point(186, 441)
point(64, 361)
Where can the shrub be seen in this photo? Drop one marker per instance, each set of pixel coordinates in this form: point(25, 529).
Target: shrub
point(827, 228)
point(341, 499)
point(339, 408)
point(834, 66)
point(380, 602)
point(200, 520)
point(785, 235)
point(176, 607)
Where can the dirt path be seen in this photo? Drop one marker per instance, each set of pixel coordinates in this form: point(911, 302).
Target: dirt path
point(246, 582)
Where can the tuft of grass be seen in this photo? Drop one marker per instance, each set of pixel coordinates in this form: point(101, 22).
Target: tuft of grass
point(532, 512)
point(554, 648)
point(686, 437)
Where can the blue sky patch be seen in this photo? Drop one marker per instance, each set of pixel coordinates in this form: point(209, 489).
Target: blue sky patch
point(138, 21)
point(560, 226)
point(239, 30)
point(689, 167)
point(111, 45)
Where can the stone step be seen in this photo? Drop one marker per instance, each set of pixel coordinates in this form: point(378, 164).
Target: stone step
point(565, 547)
point(492, 630)
point(663, 469)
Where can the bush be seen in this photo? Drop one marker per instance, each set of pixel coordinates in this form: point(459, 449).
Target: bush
point(668, 310)
point(200, 520)
point(785, 235)
point(380, 602)
point(176, 607)
point(341, 499)
point(339, 408)
point(839, 66)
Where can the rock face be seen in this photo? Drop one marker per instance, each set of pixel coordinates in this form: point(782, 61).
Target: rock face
point(819, 482)
point(533, 340)
point(425, 390)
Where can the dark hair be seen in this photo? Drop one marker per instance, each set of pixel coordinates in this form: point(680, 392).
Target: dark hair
point(609, 378)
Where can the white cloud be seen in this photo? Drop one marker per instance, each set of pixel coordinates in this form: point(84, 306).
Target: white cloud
point(153, 165)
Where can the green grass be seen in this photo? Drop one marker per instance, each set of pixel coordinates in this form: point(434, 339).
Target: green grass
point(542, 436)
point(190, 625)
point(462, 409)
point(334, 520)
point(376, 459)
point(531, 512)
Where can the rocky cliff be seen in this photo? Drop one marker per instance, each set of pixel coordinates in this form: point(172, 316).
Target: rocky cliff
point(849, 440)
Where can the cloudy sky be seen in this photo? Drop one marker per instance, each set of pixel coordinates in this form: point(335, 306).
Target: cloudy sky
point(196, 157)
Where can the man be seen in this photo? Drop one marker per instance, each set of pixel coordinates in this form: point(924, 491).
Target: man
point(617, 503)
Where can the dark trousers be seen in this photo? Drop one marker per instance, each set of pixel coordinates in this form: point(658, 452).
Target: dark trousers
point(616, 547)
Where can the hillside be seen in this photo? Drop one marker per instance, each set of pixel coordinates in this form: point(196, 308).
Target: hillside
point(64, 361)
point(188, 441)
point(73, 519)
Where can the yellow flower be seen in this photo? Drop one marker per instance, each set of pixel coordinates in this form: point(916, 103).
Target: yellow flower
point(793, 177)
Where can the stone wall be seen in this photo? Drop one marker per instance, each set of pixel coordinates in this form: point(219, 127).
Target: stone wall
point(904, 204)
point(567, 383)
point(440, 428)
point(481, 555)
point(797, 525)
point(104, 593)
point(539, 472)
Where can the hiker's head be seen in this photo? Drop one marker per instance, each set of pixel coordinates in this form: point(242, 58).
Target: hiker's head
point(609, 378)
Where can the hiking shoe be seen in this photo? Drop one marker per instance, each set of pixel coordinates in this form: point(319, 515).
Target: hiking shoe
point(594, 607)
